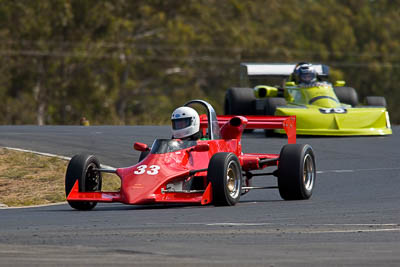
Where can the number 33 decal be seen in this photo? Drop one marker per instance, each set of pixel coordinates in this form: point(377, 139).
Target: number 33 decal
point(142, 169)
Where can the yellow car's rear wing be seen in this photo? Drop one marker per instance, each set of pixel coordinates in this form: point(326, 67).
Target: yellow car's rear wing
point(253, 71)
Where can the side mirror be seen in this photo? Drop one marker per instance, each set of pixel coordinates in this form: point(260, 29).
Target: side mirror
point(340, 83)
point(201, 148)
point(262, 91)
point(140, 147)
point(290, 84)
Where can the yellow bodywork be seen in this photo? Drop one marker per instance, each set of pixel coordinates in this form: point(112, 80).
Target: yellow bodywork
point(356, 121)
point(319, 112)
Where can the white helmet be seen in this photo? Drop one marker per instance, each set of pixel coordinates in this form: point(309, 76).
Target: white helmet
point(185, 122)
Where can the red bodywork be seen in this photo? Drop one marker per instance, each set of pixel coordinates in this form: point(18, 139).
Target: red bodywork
point(146, 182)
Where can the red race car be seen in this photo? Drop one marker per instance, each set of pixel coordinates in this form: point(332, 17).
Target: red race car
point(209, 170)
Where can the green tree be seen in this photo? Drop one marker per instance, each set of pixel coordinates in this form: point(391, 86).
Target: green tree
point(133, 62)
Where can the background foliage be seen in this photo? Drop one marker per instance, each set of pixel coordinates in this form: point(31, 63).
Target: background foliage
point(133, 62)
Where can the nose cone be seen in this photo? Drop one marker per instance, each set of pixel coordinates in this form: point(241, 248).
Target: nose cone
point(142, 182)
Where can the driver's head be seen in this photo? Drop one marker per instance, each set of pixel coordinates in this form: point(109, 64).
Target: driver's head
point(185, 122)
point(305, 73)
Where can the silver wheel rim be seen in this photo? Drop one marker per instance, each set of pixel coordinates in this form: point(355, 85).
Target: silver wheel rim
point(232, 180)
point(308, 172)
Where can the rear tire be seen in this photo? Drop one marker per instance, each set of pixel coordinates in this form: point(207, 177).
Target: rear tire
point(377, 101)
point(225, 175)
point(81, 168)
point(239, 101)
point(296, 172)
point(271, 103)
point(346, 95)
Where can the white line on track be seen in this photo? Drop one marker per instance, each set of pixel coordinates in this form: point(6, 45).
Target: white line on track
point(289, 224)
point(359, 170)
point(350, 231)
point(293, 224)
point(328, 228)
point(238, 224)
point(38, 153)
point(348, 227)
point(49, 155)
point(34, 206)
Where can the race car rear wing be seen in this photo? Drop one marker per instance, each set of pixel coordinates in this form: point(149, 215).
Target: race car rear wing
point(288, 123)
point(250, 71)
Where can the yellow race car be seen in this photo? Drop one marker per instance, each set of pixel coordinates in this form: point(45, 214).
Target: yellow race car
point(320, 107)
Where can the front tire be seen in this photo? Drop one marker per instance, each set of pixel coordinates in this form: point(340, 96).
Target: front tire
point(225, 175)
point(81, 168)
point(346, 95)
point(296, 172)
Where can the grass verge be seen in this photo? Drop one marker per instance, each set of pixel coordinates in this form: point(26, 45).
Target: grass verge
point(30, 179)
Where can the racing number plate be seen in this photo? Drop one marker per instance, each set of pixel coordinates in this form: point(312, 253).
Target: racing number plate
point(333, 110)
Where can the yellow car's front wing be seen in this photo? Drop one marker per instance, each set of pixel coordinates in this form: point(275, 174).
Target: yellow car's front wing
point(312, 120)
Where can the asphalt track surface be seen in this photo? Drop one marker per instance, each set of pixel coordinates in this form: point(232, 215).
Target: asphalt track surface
point(353, 217)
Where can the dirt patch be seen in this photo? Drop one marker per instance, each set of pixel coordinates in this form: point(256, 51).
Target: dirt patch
point(31, 179)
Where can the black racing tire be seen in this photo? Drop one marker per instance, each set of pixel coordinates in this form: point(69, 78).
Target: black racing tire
point(271, 103)
point(81, 168)
point(296, 172)
point(239, 101)
point(225, 175)
point(346, 95)
point(143, 154)
point(377, 101)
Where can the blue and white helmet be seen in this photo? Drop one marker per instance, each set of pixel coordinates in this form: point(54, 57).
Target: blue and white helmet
point(185, 122)
point(305, 73)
